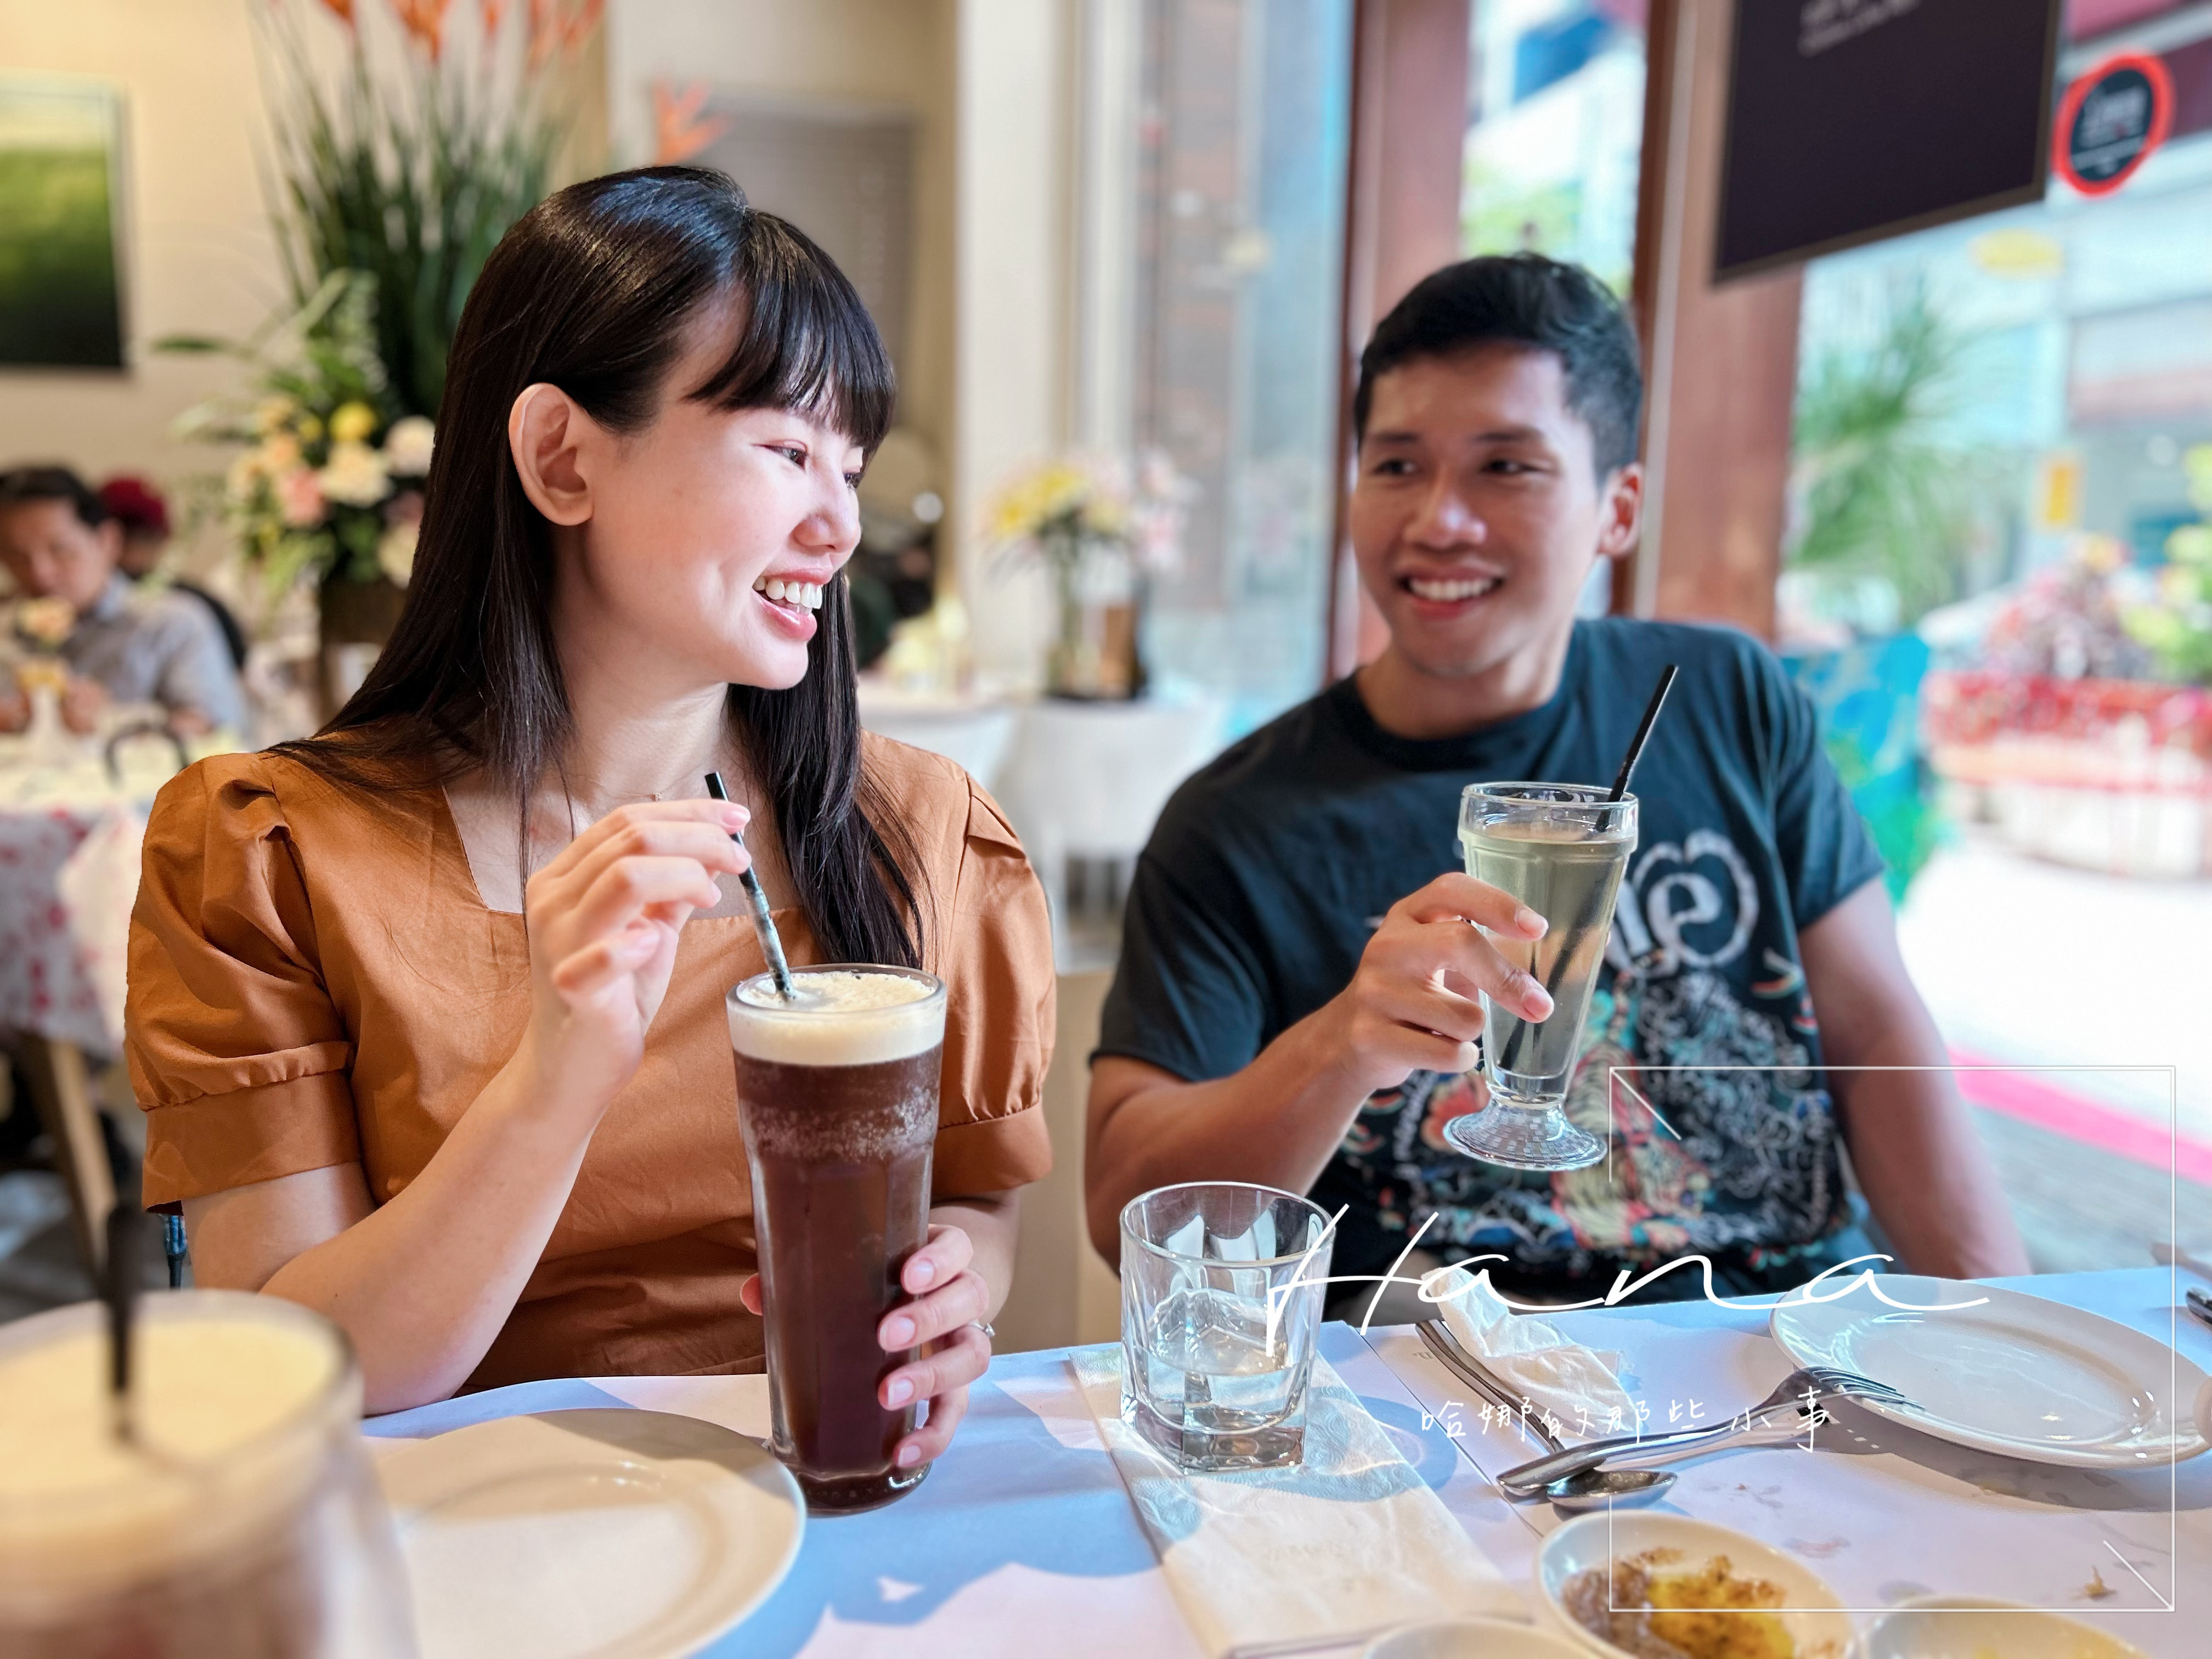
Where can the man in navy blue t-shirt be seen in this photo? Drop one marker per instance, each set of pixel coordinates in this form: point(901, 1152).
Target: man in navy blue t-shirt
point(1296, 1002)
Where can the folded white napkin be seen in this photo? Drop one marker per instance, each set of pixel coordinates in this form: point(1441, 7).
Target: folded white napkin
point(1535, 1359)
point(1347, 1543)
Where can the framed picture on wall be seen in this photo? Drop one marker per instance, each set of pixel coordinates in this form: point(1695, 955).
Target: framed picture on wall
point(61, 194)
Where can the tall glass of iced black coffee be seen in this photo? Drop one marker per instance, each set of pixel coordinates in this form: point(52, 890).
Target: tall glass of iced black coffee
point(837, 1090)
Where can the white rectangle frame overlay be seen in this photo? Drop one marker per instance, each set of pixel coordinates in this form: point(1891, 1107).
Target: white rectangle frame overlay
point(1615, 1078)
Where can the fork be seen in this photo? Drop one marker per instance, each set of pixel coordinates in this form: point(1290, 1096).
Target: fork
point(1437, 1339)
point(1818, 1381)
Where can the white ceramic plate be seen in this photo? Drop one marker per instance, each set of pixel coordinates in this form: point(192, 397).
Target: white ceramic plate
point(1470, 1638)
point(615, 1535)
point(1818, 1626)
point(2018, 1375)
point(1968, 1628)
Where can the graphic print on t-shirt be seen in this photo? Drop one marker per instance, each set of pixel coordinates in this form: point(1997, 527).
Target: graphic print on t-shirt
point(1270, 870)
point(1755, 1161)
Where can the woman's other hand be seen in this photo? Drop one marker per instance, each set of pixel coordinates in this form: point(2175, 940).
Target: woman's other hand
point(603, 918)
point(949, 1299)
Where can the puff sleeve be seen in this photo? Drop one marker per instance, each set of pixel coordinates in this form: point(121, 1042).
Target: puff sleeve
point(236, 1053)
point(995, 953)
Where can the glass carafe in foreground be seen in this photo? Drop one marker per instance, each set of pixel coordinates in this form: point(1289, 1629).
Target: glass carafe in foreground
point(243, 1522)
point(838, 1092)
point(1560, 848)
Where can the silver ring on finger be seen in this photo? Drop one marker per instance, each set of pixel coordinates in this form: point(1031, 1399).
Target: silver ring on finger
point(984, 1326)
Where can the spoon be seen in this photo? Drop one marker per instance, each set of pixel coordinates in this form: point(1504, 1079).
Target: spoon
point(1597, 1489)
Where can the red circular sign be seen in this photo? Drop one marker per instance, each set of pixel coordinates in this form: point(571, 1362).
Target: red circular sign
point(2110, 121)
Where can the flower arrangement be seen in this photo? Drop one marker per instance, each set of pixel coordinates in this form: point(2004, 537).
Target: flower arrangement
point(433, 142)
point(2177, 627)
point(392, 186)
point(1088, 499)
point(2066, 621)
point(1102, 527)
point(330, 482)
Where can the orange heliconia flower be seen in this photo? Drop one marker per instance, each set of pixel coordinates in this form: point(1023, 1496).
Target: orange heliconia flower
point(558, 30)
point(679, 133)
point(425, 20)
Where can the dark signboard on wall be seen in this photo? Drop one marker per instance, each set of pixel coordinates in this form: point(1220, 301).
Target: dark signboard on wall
point(1850, 121)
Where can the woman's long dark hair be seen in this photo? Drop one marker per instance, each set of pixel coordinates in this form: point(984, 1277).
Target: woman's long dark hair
point(592, 291)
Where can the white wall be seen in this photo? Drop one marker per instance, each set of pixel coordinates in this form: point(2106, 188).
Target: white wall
point(197, 254)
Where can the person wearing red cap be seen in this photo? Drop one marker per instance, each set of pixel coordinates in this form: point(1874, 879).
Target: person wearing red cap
point(143, 515)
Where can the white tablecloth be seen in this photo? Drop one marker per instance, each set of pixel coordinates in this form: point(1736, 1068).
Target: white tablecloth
point(1022, 1542)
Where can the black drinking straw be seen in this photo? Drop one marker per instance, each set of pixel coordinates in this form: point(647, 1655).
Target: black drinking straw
point(120, 1288)
point(1643, 732)
point(763, 923)
point(1515, 1043)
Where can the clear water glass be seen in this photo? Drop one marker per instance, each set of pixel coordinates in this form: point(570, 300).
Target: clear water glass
point(1561, 849)
point(1222, 1286)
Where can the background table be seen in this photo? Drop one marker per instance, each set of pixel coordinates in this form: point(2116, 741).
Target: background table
point(69, 837)
point(1022, 1541)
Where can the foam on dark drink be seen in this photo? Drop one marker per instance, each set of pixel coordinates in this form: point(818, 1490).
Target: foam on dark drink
point(838, 1092)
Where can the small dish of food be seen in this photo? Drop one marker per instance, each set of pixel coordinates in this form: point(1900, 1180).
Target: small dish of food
point(1970, 1627)
point(1470, 1638)
point(1666, 1587)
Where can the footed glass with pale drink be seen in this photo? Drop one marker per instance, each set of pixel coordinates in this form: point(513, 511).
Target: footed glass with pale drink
point(1561, 849)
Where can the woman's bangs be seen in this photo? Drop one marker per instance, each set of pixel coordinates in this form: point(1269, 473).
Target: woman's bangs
point(805, 341)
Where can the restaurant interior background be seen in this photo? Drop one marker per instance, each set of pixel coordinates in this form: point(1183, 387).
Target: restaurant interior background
point(1960, 476)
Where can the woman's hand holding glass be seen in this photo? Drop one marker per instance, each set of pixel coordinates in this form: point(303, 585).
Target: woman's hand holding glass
point(945, 1320)
point(604, 915)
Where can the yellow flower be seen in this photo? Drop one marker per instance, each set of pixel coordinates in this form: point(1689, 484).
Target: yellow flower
point(351, 423)
point(2101, 554)
point(272, 413)
point(309, 429)
point(1030, 503)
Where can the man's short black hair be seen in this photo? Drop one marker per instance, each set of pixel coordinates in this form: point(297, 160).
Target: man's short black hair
point(19, 484)
point(1525, 300)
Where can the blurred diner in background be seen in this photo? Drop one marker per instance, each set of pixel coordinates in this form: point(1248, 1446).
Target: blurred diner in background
point(1019, 360)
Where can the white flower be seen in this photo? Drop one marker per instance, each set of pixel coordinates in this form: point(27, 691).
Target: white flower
point(354, 476)
point(395, 551)
point(245, 477)
point(407, 446)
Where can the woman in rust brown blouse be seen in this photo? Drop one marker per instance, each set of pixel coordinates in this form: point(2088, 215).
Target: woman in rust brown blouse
point(426, 1012)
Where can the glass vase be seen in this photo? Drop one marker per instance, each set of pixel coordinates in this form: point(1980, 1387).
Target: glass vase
point(1099, 600)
